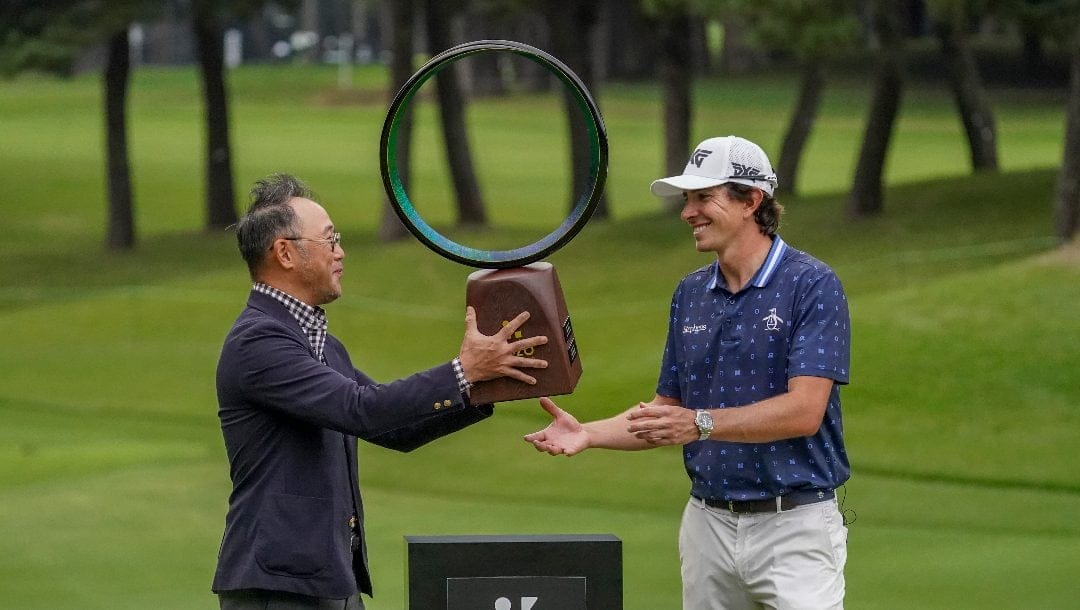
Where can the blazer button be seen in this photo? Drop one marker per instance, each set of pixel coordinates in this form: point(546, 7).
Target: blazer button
point(437, 405)
point(446, 403)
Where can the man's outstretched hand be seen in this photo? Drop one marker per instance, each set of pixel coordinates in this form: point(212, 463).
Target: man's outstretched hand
point(563, 436)
point(486, 357)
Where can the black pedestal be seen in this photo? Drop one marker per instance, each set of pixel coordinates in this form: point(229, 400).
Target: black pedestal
point(548, 572)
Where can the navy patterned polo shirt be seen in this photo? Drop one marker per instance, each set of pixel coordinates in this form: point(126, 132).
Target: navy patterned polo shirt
point(730, 350)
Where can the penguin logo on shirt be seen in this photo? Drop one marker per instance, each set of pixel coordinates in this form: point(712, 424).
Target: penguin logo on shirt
point(772, 321)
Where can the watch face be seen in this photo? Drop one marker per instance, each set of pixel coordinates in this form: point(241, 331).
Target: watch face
point(704, 422)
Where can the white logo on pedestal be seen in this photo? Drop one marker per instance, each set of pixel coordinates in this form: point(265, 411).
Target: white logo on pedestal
point(505, 604)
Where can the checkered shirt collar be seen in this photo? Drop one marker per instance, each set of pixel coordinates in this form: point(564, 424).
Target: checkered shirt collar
point(312, 320)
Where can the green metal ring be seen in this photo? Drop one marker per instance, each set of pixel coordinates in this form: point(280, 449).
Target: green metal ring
point(494, 259)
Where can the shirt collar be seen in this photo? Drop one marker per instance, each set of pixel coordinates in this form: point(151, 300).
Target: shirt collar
point(764, 273)
point(306, 315)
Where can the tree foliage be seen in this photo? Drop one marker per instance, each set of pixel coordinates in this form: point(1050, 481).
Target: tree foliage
point(50, 35)
point(805, 29)
point(45, 35)
point(1053, 18)
point(810, 32)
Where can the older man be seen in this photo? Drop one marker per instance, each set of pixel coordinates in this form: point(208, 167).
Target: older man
point(292, 406)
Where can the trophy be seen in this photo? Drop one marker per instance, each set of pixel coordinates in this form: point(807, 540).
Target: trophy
point(509, 281)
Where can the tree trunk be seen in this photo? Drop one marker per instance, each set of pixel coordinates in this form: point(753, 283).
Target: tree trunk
point(310, 21)
point(120, 234)
point(971, 100)
point(570, 27)
point(1067, 210)
point(481, 75)
point(360, 22)
point(530, 27)
point(737, 54)
point(401, 68)
point(802, 123)
point(470, 203)
point(1032, 54)
point(867, 187)
point(220, 199)
point(676, 77)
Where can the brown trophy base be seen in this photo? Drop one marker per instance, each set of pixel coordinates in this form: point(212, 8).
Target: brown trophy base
point(498, 296)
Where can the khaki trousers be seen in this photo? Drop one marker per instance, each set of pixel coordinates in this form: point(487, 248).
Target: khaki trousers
point(791, 559)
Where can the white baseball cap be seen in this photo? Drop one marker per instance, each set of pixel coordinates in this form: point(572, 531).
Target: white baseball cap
point(719, 160)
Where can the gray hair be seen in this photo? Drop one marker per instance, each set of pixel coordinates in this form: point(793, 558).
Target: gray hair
point(268, 216)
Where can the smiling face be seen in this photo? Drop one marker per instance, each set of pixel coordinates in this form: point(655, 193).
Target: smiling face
point(717, 219)
point(319, 260)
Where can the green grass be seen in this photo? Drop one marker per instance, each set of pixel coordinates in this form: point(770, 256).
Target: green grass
point(961, 417)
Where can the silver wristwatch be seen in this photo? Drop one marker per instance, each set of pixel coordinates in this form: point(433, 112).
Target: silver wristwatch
point(703, 420)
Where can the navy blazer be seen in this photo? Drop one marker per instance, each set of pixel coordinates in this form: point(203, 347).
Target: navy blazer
point(290, 425)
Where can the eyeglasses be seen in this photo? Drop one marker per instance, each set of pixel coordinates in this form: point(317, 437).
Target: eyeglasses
point(333, 241)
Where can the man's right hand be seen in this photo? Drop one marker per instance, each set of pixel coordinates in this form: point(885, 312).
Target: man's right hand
point(486, 357)
point(563, 436)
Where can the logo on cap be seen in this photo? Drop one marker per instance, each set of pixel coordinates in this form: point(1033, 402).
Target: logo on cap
point(699, 156)
point(742, 171)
